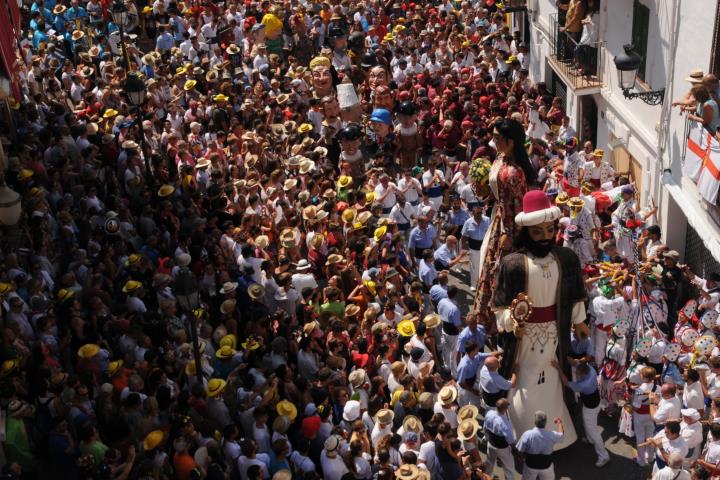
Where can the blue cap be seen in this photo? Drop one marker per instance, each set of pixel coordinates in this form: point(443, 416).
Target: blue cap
point(381, 115)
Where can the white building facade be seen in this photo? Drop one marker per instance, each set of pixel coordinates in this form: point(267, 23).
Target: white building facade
point(674, 37)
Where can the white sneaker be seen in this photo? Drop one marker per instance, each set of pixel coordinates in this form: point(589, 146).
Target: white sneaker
point(602, 462)
point(472, 289)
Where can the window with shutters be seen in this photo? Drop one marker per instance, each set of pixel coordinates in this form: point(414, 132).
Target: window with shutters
point(641, 20)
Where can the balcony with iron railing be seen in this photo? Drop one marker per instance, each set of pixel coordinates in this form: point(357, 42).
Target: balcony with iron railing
point(511, 6)
point(578, 64)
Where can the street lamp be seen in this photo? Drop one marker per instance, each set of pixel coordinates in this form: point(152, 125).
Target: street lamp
point(628, 64)
point(187, 294)
point(119, 12)
point(136, 93)
point(10, 207)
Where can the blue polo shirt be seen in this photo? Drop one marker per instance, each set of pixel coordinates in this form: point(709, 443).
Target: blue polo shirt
point(422, 238)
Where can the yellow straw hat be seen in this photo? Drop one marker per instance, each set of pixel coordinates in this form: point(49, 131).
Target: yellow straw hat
point(215, 387)
point(153, 439)
point(89, 350)
point(287, 409)
point(114, 367)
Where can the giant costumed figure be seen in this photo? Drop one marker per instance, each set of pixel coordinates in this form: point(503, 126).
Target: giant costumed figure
point(548, 280)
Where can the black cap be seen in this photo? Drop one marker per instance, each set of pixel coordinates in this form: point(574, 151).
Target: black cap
point(352, 131)
point(407, 108)
point(369, 60)
point(337, 31)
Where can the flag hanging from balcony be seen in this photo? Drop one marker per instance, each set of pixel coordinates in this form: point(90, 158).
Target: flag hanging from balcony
point(709, 180)
point(697, 145)
point(702, 162)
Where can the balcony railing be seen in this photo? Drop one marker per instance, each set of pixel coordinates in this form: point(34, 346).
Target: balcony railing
point(510, 6)
point(579, 64)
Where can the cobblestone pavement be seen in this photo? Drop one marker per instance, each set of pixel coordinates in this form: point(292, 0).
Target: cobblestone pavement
point(578, 460)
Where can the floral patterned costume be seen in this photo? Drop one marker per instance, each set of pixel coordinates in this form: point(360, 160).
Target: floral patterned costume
point(508, 186)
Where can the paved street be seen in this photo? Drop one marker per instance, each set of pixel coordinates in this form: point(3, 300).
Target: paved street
point(576, 461)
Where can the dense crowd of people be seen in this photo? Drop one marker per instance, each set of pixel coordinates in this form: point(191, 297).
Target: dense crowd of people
point(255, 272)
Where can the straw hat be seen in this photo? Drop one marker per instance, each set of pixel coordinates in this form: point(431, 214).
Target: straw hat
point(232, 49)
point(287, 409)
point(225, 352)
point(63, 294)
point(89, 350)
point(189, 85)
point(576, 203)
point(289, 184)
point(406, 328)
point(351, 310)
point(262, 241)
point(334, 258)
point(306, 166)
point(332, 445)
point(283, 474)
point(305, 128)
point(407, 471)
point(385, 416)
point(77, 35)
point(380, 232)
point(432, 320)
point(562, 198)
point(344, 181)
point(228, 287)
point(251, 343)
point(448, 394)
point(256, 291)
point(411, 423)
point(357, 377)
point(228, 306)
point(467, 429)
point(8, 366)
point(229, 339)
point(467, 412)
point(317, 240)
point(287, 238)
point(310, 327)
point(132, 259)
point(114, 367)
point(166, 191)
point(153, 439)
point(348, 215)
point(131, 286)
point(215, 387)
point(363, 217)
point(695, 76)
point(598, 152)
point(59, 9)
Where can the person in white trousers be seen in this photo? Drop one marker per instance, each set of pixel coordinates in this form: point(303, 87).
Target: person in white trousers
point(473, 233)
point(642, 420)
point(537, 445)
point(586, 385)
point(500, 435)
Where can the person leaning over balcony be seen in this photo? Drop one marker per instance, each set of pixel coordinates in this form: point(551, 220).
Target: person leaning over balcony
point(586, 52)
point(706, 111)
point(573, 20)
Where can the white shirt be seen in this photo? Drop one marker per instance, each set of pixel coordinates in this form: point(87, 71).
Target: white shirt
point(333, 468)
point(412, 194)
point(402, 215)
point(302, 280)
point(668, 409)
point(668, 473)
point(693, 396)
point(261, 459)
point(390, 199)
point(693, 434)
point(672, 446)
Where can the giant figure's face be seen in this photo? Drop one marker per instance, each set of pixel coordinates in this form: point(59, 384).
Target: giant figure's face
point(322, 80)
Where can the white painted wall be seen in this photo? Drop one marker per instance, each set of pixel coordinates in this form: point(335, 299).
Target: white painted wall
point(632, 120)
